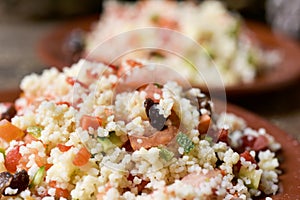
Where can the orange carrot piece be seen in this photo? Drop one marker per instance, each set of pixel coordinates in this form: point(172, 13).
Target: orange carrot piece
point(9, 132)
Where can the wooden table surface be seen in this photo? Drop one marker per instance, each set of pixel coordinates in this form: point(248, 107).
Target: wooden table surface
point(18, 57)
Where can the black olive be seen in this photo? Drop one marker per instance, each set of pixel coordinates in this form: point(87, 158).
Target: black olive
point(7, 111)
point(5, 180)
point(157, 120)
point(19, 181)
point(148, 103)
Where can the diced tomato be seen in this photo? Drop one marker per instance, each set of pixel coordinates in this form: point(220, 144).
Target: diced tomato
point(152, 90)
point(158, 138)
point(90, 121)
point(256, 143)
point(70, 80)
point(204, 124)
point(52, 184)
point(82, 157)
point(63, 148)
point(62, 193)
point(223, 136)
point(260, 143)
point(9, 132)
point(48, 165)
point(247, 156)
point(29, 138)
point(247, 141)
point(12, 159)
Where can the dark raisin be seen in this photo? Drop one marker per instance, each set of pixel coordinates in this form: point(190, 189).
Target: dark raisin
point(7, 111)
point(157, 120)
point(5, 180)
point(20, 181)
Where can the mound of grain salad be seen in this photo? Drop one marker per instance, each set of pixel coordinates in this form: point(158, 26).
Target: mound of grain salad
point(223, 37)
point(79, 134)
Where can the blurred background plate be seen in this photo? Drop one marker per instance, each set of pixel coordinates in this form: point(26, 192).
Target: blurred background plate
point(52, 51)
point(289, 155)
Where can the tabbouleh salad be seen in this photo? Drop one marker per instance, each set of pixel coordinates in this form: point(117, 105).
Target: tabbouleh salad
point(82, 137)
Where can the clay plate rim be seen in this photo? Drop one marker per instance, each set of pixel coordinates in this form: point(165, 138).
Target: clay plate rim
point(50, 50)
point(290, 153)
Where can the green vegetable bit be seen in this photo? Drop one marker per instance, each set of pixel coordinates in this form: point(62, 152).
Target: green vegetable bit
point(185, 142)
point(35, 131)
point(38, 177)
point(110, 142)
point(106, 143)
point(115, 139)
point(2, 151)
point(253, 175)
point(166, 154)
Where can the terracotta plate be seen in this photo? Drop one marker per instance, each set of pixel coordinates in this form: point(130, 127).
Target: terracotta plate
point(50, 50)
point(289, 155)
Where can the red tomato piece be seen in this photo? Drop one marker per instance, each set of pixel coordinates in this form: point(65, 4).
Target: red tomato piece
point(63, 148)
point(90, 121)
point(12, 159)
point(82, 157)
point(260, 143)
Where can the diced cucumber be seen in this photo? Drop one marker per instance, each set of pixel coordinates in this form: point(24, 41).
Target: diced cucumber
point(165, 154)
point(106, 143)
point(115, 139)
point(35, 131)
point(38, 177)
point(2, 151)
point(110, 142)
point(185, 142)
point(253, 175)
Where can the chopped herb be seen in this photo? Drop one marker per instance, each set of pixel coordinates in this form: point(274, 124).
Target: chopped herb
point(35, 131)
point(185, 142)
point(166, 154)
